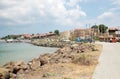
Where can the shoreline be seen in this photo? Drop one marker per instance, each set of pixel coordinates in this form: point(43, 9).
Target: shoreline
point(55, 43)
point(23, 48)
point(63, 55)
point(2, 40)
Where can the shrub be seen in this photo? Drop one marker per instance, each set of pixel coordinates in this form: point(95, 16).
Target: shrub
point(83, 59)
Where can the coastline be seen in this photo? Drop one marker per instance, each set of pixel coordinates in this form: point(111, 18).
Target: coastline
point(21, 51)
point(2, 40)
point(48, 43)
point(62, 57)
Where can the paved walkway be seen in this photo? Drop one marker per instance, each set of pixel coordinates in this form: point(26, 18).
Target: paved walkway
point(109, 62)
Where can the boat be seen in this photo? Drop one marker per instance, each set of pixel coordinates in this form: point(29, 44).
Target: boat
point(12, 40)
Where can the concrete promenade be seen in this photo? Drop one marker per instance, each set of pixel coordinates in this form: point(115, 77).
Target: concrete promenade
point(109, 62)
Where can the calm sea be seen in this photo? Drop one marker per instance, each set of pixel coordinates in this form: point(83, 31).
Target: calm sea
point(21, 51)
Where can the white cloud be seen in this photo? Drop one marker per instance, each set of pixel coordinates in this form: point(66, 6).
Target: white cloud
point(29, 11)
point(8, 2)
point(73, 2)
point(76, 13)
point(14, 12)
point(116, 2)
point(106, 15)
point(111, 18)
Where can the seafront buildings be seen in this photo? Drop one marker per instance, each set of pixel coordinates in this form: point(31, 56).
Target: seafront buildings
point(111, 34)
point(82, 33)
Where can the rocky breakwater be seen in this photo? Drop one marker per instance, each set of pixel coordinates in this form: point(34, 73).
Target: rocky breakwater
point(68, 54)
point(50, 42)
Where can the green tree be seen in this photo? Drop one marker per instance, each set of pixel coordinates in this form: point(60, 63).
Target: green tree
point(14, 37)
point(7, 37)
point(50, 32)
point(102, 28)
point(94, 26)
point(57, 32)
point(11, 37)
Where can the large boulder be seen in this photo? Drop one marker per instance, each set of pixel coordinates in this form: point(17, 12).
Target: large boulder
point(34, 64)
point(44, 60)
point(4, 73)
point(15, 67)
point(9, 65)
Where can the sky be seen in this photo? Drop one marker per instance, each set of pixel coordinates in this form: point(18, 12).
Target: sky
point(41, 16)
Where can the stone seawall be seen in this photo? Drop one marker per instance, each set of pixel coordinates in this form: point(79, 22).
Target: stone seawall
point(51, 43)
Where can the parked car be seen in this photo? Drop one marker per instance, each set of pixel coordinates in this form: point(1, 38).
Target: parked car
point(113, 40)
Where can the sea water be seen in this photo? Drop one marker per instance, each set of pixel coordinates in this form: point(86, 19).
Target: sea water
point(21, 52)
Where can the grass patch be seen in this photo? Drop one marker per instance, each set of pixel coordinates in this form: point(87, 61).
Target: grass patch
point(83, 59)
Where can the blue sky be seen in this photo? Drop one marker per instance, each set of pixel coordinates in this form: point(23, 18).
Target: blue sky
point(40, 16)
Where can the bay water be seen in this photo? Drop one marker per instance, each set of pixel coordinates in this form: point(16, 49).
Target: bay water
point(21, 52)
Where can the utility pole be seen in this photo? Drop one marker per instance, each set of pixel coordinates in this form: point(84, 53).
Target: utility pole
point(90, 34)
point(118, 32)
point(86, 29)
point(98, 30)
